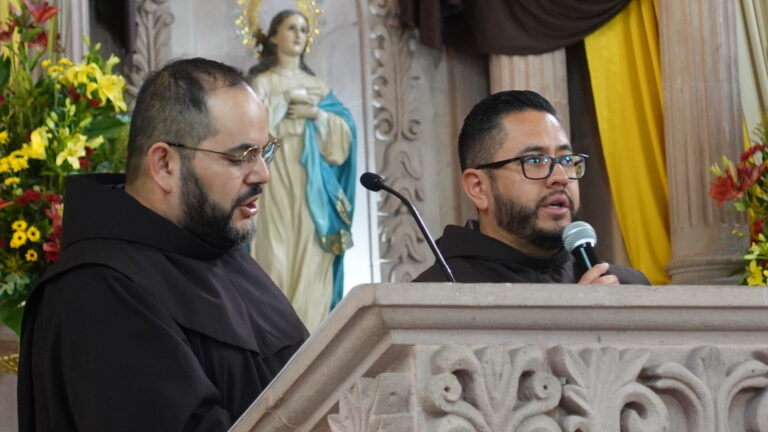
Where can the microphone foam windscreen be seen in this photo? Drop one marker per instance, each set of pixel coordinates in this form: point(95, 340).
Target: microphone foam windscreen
point(578, 233)
point(371, 181)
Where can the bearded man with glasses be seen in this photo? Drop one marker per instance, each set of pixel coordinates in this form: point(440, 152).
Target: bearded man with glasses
point(155, 317)
point(521, 173)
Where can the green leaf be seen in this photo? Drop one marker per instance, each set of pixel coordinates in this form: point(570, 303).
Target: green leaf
point(5, 71)
point(109, 127)
point(740, 206)
point(31, 34)
point(11, 312)
point(7, 288)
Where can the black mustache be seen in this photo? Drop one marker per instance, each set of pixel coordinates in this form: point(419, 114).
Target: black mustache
point(253, 190)
point(563, 192)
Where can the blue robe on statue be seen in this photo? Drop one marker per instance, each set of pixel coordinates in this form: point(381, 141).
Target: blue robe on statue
point(331, 192)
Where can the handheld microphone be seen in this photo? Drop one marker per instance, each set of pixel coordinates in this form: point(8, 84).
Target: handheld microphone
point(374, 182)
point(580, 239)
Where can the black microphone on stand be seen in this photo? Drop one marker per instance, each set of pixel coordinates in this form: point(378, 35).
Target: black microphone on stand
point(579, 238)
point(374, 182)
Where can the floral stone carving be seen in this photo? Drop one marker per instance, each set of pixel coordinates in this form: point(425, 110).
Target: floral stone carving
point(153, 41)
point(491, 390)
point(535, 389)
point(378, 404)
point(602, 393)
point(707, 387)
point(397, 131)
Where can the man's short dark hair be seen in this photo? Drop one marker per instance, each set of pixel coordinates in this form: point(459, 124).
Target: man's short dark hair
point(483, 134)
point(172, 106)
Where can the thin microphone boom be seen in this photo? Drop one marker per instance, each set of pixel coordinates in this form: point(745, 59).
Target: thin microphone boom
point(375, 183)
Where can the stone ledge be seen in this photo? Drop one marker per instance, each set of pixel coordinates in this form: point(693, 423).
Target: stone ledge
point(647, 342)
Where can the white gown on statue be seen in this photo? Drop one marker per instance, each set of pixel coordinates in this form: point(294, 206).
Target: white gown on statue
point(286, 244)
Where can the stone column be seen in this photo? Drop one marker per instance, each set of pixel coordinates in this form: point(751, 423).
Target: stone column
point(544, 73)
point(702, 122)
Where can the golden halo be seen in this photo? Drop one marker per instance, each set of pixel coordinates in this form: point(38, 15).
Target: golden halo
point(250, 28)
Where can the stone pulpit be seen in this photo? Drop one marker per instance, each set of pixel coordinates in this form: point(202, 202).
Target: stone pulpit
point(518, 357)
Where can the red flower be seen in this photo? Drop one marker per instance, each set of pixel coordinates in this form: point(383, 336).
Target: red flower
point(52, 198)
point(2, 99)
point(52, 251)
point(53, 247)
point(74, 94)
point(93, 103)
point(4, 204)
point(54, 214)
point(750, 152)
point(29, 196)
point(2, 243)
point(5, 35)
point(84, 162)
point(41, 40)
point(756, 229)
point(41, 13)
point(724, 189)
point(749, 175)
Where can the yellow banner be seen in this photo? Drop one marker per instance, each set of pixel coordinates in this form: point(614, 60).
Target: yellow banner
point(624, 67)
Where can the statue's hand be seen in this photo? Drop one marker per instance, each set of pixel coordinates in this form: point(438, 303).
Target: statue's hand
point(303, 99)
point(316, 93)
point(302, 110)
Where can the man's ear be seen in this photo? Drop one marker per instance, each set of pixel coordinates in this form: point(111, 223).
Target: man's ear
point(477, 187)
point(163, 165)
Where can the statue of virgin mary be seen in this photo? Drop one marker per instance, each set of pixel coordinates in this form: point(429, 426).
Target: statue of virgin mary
point(306, 210)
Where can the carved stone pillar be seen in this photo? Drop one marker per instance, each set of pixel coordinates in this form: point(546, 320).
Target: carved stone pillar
point(544, 73)
point(397, 128)
point(702, 123)
point(153, 41)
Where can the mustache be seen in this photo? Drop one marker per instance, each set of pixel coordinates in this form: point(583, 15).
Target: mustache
point(551, 194)
point(253, 190)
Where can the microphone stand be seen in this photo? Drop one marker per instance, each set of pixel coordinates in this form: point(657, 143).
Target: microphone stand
point(423, 229)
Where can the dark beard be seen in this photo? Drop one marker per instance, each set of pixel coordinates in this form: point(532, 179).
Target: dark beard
point(520, 221)
point(205, 219)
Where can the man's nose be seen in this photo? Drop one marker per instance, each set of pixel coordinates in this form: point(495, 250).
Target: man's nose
point(258, 172)
point(558, 174)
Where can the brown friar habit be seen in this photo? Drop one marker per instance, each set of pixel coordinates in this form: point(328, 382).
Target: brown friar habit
point(139, 326)
point(475, 257)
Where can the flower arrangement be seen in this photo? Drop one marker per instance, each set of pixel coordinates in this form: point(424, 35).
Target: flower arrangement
point(57, 117)
point(746, 185)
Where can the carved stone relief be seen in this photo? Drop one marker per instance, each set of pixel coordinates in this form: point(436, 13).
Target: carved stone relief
point(563, 389)
point(397, 127)
point(153, 41)
point(380, 404)
point(706, 388)
point(491, 390)
point(603, 393)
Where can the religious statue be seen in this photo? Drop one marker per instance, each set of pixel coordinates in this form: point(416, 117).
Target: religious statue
point(306, 209)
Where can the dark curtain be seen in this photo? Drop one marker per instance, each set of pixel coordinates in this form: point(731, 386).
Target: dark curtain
point(114, 25)
point(512, 27)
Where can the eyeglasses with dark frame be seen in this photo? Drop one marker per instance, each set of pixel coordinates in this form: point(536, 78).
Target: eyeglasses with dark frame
point(251, 154)
point(539, 167)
